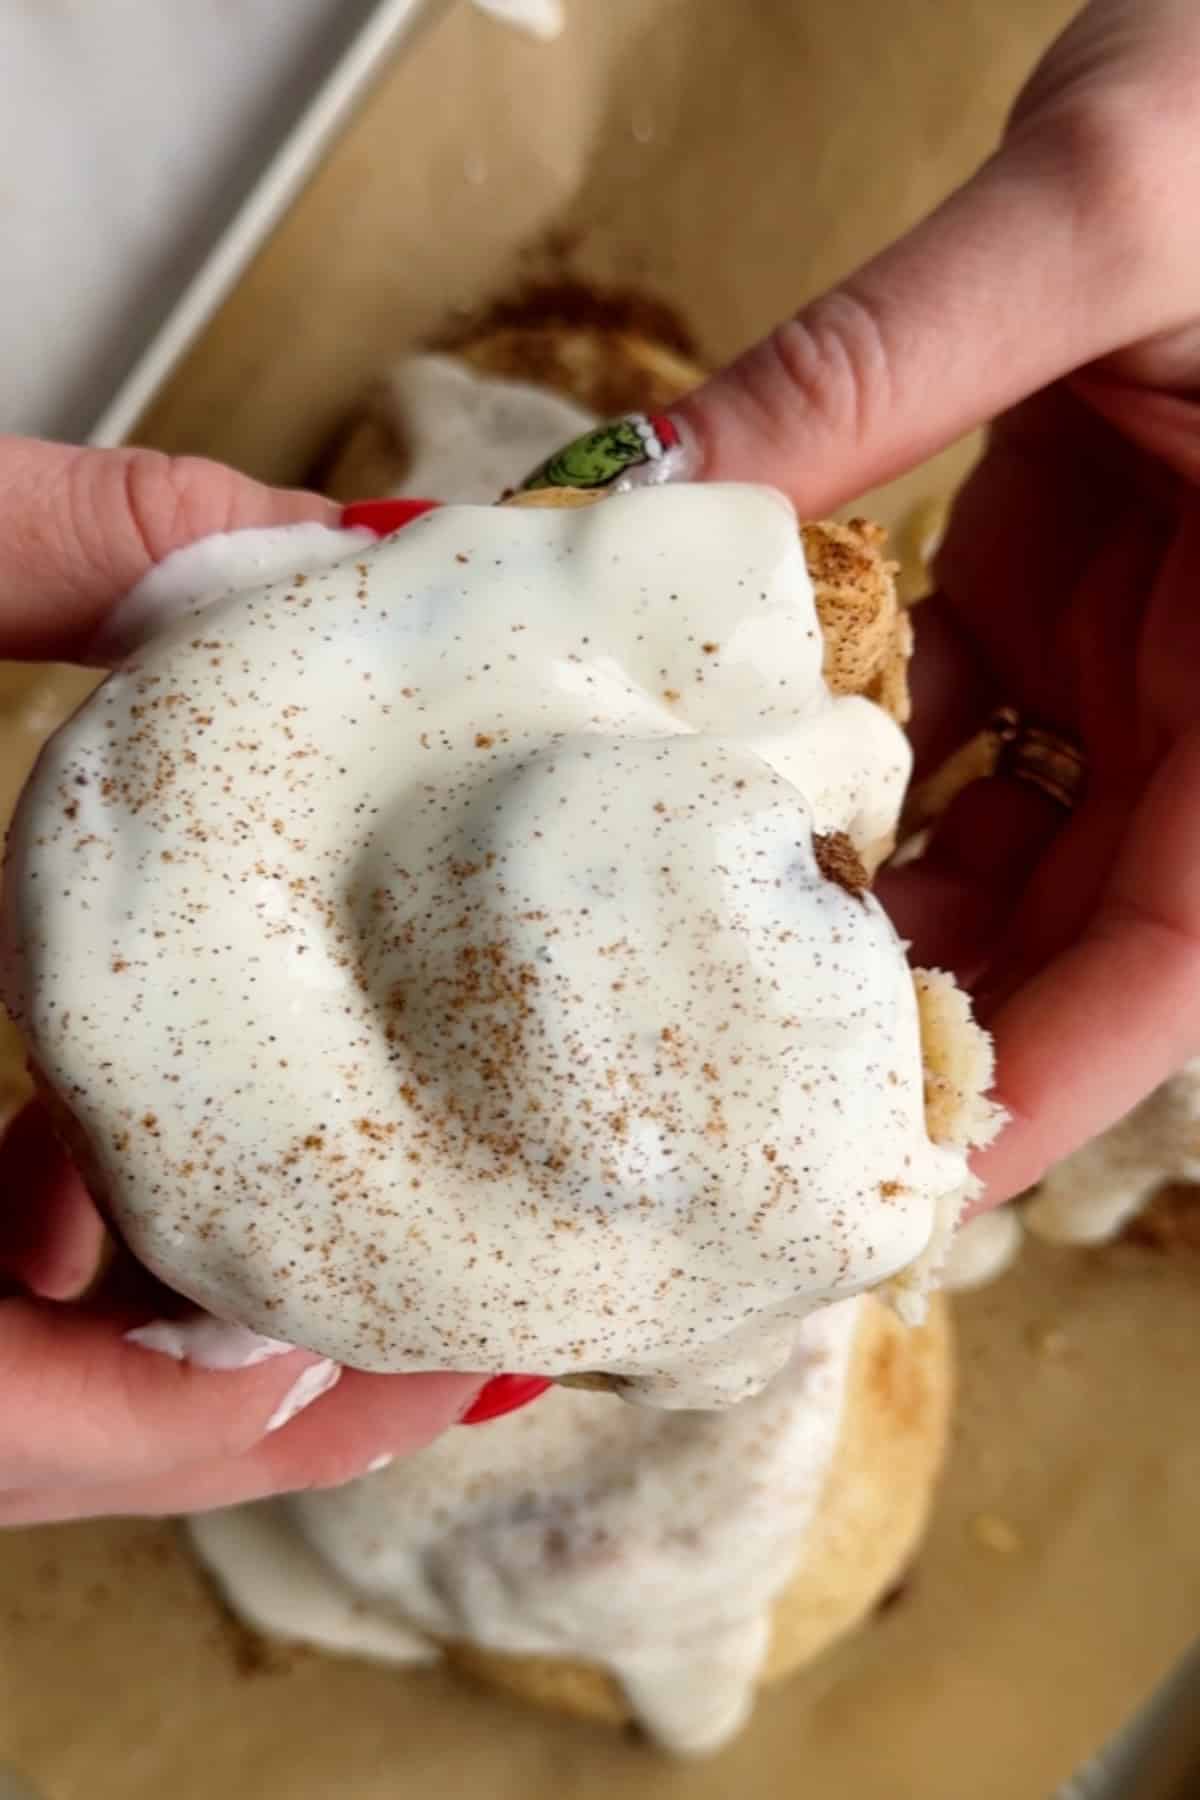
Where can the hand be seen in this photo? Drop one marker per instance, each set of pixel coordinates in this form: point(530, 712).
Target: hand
point(90, 1423)
point(1060, 289)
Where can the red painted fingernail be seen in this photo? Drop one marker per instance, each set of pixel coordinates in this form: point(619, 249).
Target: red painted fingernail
point(504, 1394)
point(384, 516)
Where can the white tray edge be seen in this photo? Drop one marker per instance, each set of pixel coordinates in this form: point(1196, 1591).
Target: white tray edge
point(394, 25)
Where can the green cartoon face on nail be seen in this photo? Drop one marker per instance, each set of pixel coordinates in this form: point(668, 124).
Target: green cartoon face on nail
point(594, 460)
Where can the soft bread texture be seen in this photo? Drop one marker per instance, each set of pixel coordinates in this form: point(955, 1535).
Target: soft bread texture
point(959, 1064)
point(871, 1515)
point(555, 499)
point(868, 636)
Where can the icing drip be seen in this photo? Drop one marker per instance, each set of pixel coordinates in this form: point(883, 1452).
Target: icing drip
point(652, 1543)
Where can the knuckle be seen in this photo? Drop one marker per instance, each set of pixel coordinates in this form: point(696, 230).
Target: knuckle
point(1098, 134)
point(150, 498)
point(170, 499)
point(1116, 161)
point(119, 510)
point(114, 511)
point(104, 503)
point(832, 361)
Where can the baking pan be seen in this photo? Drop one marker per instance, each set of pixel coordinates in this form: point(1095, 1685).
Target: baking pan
point(392, 27)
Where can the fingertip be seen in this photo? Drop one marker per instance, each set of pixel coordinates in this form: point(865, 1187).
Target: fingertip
point(89, 524)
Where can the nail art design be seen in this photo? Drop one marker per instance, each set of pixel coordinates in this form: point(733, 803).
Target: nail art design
point(504, 1394)
point(640, 450)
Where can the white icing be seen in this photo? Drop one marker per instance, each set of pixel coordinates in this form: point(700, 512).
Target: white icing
point(472, 437)
point(308, 1387)
point(206, 1343)
point(191, 578)
point(457, 905)
point(693, 1701)
point(541, 18)
point(1090, 1196)
point(277, 1585)
point(652, 1543)
point(982, 1250)
point(908, 1291)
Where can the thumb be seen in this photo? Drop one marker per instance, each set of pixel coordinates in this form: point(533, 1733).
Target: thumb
point(1056, 253)
point(79, 528)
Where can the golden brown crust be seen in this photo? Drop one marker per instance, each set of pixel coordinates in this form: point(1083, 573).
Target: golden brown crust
point(880, 1490)
point(607, 372)
point(867, 1524)
point(554, 498)
point(592, 1383)
point(868, 638)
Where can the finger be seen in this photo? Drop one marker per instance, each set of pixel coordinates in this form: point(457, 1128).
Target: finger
point(955, 905)
point(1117, 1011)
point(952, 691)
point(1166, 425)
point(943, 918)
point(1060, 897)
point(82, 527)
point(83, 1406)
point(364, 1422)
point(959, 320)
point(1115, 607)
point(1054, 490)
point(52, 1239)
